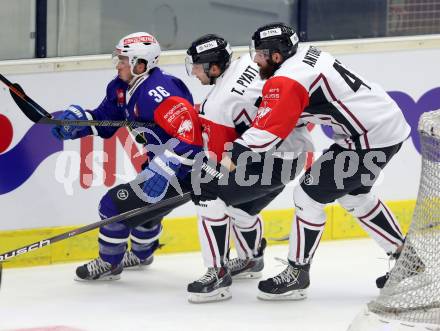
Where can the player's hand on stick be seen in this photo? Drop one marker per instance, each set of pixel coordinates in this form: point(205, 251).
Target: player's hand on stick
point(66, 132)
point(158, 174)
point(207, 177)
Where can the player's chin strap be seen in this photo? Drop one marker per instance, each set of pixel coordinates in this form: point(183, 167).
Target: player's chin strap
point(136, 77)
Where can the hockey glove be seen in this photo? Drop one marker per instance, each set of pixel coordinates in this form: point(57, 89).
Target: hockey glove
point(206, 180)
point(161, 171)
point(66, 132)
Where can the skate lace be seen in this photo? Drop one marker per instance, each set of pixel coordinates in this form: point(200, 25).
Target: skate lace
point(208, 276)
point(98, 266)
point(287, 275)
point(130, 259)
point(237, 264)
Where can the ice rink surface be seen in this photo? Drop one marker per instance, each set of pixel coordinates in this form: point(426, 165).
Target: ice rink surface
point(343, 277)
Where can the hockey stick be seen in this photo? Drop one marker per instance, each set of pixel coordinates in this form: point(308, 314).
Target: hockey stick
point(38, 114)
point(283, 238)
point(131, 213)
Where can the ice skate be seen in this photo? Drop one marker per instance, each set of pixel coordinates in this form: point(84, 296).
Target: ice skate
point(132, 262)
point(98, 269)
point(248, 268)
point(290, 284)
point(212, 286)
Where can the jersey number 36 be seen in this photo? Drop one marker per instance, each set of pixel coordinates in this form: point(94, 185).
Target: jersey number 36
point(158, 93)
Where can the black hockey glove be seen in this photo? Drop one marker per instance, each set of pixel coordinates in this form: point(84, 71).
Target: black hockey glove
point(206, 177)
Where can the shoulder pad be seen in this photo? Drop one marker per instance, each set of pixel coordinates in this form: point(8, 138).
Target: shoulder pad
point(177, 117)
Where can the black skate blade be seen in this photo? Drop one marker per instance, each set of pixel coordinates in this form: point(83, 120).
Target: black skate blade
point(283, 238)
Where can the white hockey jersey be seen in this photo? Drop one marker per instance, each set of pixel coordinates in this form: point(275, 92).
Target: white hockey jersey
point(231, 106)
point(313, 86)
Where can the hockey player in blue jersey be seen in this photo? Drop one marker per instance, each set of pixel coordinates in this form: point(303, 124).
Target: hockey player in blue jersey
point(140, 92)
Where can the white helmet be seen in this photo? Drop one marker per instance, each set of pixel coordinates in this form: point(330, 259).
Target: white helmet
point(139, 45)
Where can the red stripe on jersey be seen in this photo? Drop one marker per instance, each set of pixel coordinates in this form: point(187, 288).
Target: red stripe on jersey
point(264, 145)
point(348, 143)
point(327, 85)
point(343, 128)
point(367, 145)
point(216, 135)
point(284, 99)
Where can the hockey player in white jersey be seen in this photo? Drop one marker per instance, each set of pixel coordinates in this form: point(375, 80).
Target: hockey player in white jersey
point(369, 129)
point(227, 111)
point(225, 114)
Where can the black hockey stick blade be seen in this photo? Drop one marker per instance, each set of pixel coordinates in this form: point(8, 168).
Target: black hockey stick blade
point(29, 107)
point(121, 217)
point(283, 238)
point(38, 114)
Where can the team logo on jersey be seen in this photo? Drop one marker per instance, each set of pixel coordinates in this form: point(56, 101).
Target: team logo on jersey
point(263, 112)
point(262, 115)
point(185, 130)
point(185, 126)
point(179, 119)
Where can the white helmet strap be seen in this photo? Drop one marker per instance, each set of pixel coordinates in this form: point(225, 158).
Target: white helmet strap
point(137, 77)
